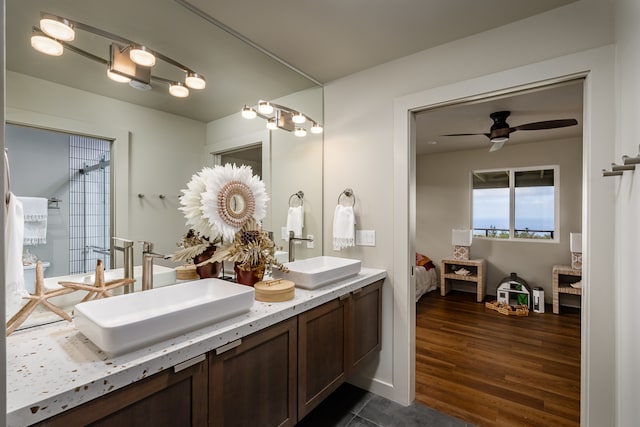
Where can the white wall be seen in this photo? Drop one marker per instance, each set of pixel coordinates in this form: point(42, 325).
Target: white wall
point(627, 190)
point(164, 151)
point(359, 149)
point(443, 202)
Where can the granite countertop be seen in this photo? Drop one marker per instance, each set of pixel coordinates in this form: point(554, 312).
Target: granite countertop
point(54, 367)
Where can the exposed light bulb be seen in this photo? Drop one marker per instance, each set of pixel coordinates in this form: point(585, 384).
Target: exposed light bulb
point(195, 81)
point(47, 45)
point(59, 29)
point(142, 56)
point(117, 77)
point(300, 132)
point(248, 113)
point(316, 128)
point(265, 108)
point(299, 118)
point(271, 124)
point(178, 90)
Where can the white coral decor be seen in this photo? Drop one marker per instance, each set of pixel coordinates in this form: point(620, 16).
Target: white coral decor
point(207, 200)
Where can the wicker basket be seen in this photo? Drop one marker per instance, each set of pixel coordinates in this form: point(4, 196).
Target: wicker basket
point(506, 309)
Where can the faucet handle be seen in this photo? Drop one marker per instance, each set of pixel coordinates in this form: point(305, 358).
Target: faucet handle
point(146, 246)
point(124, 242)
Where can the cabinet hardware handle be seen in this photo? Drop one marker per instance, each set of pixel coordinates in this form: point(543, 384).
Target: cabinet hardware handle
point(188, 363)
point(229, 346)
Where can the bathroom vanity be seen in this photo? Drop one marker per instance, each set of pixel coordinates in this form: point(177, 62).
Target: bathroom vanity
point(270, 366)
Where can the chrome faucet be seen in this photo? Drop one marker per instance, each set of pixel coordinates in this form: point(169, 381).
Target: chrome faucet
point(147, 264)
point(126, 247)
point(292, 239)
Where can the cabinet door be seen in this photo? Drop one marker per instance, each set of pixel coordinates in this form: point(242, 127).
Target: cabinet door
point(365, 325)
point(166, 399)
point(254, 383)
point(321, 353)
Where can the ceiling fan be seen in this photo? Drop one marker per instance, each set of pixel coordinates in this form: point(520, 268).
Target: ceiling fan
point(500, 129)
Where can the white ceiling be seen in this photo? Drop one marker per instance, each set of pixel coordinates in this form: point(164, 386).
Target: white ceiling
point(325, 39)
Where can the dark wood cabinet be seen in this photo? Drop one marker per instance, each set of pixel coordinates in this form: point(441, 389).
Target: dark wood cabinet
point(167, 398)
point(322, 347)
point(365, 325)
point(254, 383)
point(271, 378)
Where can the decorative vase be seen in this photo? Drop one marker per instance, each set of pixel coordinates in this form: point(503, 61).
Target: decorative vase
point(248, 277)
point(209, 270)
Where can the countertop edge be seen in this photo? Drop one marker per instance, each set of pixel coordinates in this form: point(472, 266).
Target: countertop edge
point(97, 373)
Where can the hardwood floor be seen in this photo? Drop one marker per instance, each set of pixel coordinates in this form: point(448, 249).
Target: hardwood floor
point(495, 370)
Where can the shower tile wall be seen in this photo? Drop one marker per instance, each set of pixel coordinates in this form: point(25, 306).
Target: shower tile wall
point(89, 222)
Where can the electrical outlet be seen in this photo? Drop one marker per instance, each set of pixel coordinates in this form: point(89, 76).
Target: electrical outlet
point(310, 244)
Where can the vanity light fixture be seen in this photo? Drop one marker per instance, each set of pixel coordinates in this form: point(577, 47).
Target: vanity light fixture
point(281, 117)
point(129, 61)
point(178, 90)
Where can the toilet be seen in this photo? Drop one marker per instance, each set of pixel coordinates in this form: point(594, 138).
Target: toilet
point(30, 276)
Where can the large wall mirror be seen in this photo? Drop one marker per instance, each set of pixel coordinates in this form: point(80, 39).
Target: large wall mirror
point(157, 141)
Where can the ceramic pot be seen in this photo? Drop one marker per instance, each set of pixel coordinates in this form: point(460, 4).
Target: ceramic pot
point(210, 270)
point(248, 277)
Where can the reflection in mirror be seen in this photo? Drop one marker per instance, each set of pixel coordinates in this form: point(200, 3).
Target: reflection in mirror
point(158, 141)
point(237, 204)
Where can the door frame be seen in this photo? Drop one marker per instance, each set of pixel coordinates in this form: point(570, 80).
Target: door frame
point(596, 66)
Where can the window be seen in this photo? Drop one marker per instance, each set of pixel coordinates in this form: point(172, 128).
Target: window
point(518, 203)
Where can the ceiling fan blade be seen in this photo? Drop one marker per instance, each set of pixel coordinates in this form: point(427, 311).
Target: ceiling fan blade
point(549, 124)
point(466, 134)
point(497, 145)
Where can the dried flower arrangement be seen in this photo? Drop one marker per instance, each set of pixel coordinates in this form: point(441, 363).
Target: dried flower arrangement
point(193, 244)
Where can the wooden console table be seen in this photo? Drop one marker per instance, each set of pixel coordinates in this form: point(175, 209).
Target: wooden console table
point(475, 266)
point(563, 276)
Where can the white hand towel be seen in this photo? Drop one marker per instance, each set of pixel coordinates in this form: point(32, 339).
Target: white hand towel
point(35, 220)
point(344, 223)
point(14, 272)
point(295, 220)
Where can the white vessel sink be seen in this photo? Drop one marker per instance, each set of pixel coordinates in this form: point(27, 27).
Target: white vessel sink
point(316, 272)
point(126, 322)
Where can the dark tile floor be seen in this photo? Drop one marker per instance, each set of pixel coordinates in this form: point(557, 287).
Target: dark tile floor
point(350, 406)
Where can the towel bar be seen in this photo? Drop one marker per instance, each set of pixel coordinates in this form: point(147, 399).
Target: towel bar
point(299, 195)
point(348, 192)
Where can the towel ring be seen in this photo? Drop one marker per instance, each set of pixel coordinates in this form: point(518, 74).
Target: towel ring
point(299, 195)
point(349, 193)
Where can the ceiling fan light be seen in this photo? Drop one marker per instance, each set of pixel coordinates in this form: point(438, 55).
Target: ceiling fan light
point(248, 113)
point(316, 128)
point(46, 45)
point(195, 81)
point(500, 139)
point(298, 118)
point(178, 90)
point(300, 132)
point(117, 77)
point(142, 56)
point(58, 28)
point(264, 107)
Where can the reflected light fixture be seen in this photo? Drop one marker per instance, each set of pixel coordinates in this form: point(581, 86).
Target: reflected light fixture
point(59, 29)
point(281, 117)
point(142, 56)
point(46, 45)
point(178, 90)
point(128, 62)
point(117, 77)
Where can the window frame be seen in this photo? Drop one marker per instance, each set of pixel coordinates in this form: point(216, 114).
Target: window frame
point(512, 201)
